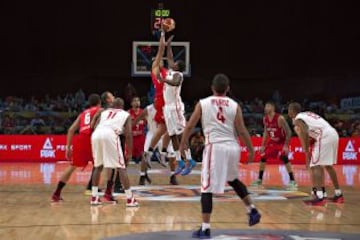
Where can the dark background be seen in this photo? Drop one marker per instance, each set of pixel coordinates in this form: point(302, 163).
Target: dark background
point(304, 49)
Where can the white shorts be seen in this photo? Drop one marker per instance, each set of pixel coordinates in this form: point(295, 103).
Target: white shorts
point(106, 149)
point(174, 119)
point(220, 164)
point(324, 152)
point(149, 136)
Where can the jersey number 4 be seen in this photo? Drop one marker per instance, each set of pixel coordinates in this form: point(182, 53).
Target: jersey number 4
point(220, 115)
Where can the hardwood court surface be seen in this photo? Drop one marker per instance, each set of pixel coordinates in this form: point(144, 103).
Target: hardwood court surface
point(26, 212)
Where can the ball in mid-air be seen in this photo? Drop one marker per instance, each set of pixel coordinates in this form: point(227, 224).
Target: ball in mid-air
point(168, 24)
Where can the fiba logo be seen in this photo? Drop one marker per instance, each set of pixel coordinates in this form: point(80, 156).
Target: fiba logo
point(349, 153)
point(47, 150)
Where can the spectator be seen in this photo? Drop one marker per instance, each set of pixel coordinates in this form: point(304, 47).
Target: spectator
point(197, 143)
point(355, 129)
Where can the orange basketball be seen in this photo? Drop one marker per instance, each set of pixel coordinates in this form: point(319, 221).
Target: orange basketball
point(168, 24)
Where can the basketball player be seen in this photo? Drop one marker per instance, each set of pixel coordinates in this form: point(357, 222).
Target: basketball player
point(157, 69)
point(174, 109)
point(322, 154)
point(138, 130)
point(222, 120)
point(275, 143)
point(107, 150)
point(81, 153)
point(167, 150)
point(107, 99)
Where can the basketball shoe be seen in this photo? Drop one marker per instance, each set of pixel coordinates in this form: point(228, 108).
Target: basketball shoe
point(187, 170)
point(254, 217)
point(95, 201)
point(202, 234)
point(56, 198)
point(131, 202)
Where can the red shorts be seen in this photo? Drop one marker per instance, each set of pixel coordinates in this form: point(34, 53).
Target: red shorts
point(138, 146)
point(159, 115)
point(82, 152)
point(273, 151)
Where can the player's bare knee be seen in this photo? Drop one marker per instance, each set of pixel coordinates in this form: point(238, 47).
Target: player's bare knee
point(206, 202)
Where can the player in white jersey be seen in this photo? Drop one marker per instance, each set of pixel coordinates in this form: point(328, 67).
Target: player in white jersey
point(222, 123)
point(107, 150)
point(174, 110)
point(163, 145)
point(310, 127)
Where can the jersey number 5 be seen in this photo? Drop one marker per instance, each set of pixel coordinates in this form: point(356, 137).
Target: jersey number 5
point(220, 115)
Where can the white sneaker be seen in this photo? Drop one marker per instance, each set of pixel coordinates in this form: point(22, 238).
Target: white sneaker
point(131, 202)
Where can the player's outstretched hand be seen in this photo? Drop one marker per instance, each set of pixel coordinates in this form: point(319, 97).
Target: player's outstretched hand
point(68, 153)
point(181, 147)
point(168, 42)
point(251, 157)
point(285, 150)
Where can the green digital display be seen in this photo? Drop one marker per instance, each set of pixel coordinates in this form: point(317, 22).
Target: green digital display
point(162, 13)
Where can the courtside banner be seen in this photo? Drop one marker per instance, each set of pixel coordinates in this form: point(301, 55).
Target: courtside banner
point(39, 148)
point(51, 148)
point(348, 152)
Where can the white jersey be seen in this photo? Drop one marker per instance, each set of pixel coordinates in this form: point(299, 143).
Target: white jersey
point(218, 119)
point(172, 93)
point(151, 111)
point(318, 127)
point(113, 119)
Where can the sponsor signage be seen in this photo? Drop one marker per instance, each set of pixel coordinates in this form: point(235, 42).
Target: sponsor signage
point(51, 148)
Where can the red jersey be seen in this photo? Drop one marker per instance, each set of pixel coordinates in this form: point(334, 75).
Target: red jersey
point(139, 128)
point(85, 119)
point(159, 97)
point(275, 133)
point(157, 84)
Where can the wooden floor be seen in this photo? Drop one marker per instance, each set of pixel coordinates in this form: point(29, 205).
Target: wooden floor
point(26, 212)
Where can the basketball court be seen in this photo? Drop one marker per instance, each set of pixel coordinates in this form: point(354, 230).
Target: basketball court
point(171, 212)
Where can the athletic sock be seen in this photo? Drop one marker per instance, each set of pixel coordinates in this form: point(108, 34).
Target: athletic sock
point(205, 226)
point(338, 192)
point(59, 187)
point(128, 193)
point(261, 174)
point(291, 175)
point(94, 191)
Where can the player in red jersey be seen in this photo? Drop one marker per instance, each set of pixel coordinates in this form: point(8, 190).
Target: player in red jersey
point(156, 70)
point(138, 130)
point(275, 143)
point(81, 153)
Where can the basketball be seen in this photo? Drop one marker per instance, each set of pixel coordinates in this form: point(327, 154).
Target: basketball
point(168, 24)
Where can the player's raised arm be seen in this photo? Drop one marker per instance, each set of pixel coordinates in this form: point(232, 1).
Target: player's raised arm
point(195, 117)
point(158, 58)
point(301, 130)
point(243, 133)
point(169, 52)
point(70, 134)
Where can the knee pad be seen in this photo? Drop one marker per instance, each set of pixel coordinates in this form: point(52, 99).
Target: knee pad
point(285, 159)
point(239, 188)
point(206, 202)
point(263, 160)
